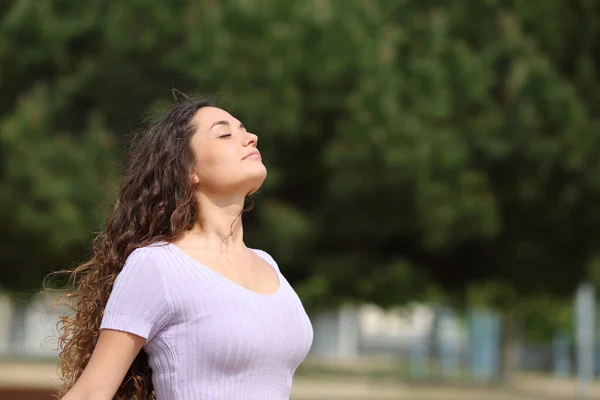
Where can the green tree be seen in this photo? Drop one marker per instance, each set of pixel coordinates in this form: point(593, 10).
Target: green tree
point(53, 187)
point(414, 149)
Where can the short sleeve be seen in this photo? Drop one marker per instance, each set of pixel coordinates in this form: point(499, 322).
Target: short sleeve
point(139, 302)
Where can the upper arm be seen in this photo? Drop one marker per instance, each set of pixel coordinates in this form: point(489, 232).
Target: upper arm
point(138, 307)
point(110, 361)
point(139, 302)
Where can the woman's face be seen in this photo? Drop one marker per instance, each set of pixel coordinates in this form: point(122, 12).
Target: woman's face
point(227, 160)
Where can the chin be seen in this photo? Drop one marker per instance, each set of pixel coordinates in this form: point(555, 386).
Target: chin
point(256, 180)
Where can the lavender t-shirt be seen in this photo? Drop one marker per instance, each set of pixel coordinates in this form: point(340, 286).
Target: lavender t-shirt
point(208, 337)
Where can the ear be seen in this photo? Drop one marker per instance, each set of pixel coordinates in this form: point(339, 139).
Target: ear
point(195, 178)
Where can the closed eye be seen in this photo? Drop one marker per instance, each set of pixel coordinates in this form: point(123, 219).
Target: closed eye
point(225, 135)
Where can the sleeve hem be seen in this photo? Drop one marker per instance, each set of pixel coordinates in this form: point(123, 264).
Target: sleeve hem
point(126, 323)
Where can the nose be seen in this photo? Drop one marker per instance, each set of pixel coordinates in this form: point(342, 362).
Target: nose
point(250, 139)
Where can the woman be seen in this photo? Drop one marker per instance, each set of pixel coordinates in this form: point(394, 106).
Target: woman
point(173, 305)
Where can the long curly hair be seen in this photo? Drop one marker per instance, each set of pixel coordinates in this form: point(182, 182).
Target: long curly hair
point(155, 203)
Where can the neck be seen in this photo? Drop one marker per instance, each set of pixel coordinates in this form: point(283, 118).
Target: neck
point(219, 225)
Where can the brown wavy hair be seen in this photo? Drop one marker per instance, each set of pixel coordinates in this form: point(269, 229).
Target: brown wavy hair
point(155, 203)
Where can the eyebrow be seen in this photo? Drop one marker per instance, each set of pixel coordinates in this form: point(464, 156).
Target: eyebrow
point(224, 123)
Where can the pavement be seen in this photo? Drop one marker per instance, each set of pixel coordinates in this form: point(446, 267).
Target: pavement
point(42, 375)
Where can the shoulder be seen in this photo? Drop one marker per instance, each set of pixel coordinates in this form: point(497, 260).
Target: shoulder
point(267, 257)
point(142, 271)
point(140, 301)
point(149, 252)
point(147, 258)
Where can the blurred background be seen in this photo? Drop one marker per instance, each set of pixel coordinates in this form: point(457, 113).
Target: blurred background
point(434, 176)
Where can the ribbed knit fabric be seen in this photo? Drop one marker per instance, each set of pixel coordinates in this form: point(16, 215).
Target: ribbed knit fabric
point(208, 337)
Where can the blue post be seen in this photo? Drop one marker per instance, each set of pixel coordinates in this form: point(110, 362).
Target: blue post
point(419, 357)
point(598, 359)
point(484, 344)
point(449, 344)
point(585, 308)
point(561, 356)
point(493, 346)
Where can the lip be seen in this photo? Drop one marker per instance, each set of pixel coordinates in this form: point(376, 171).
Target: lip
point(253, 153)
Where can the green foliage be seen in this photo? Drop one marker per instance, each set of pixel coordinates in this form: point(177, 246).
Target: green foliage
point(52, 187)
point(412, 149)
point(544, 317)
